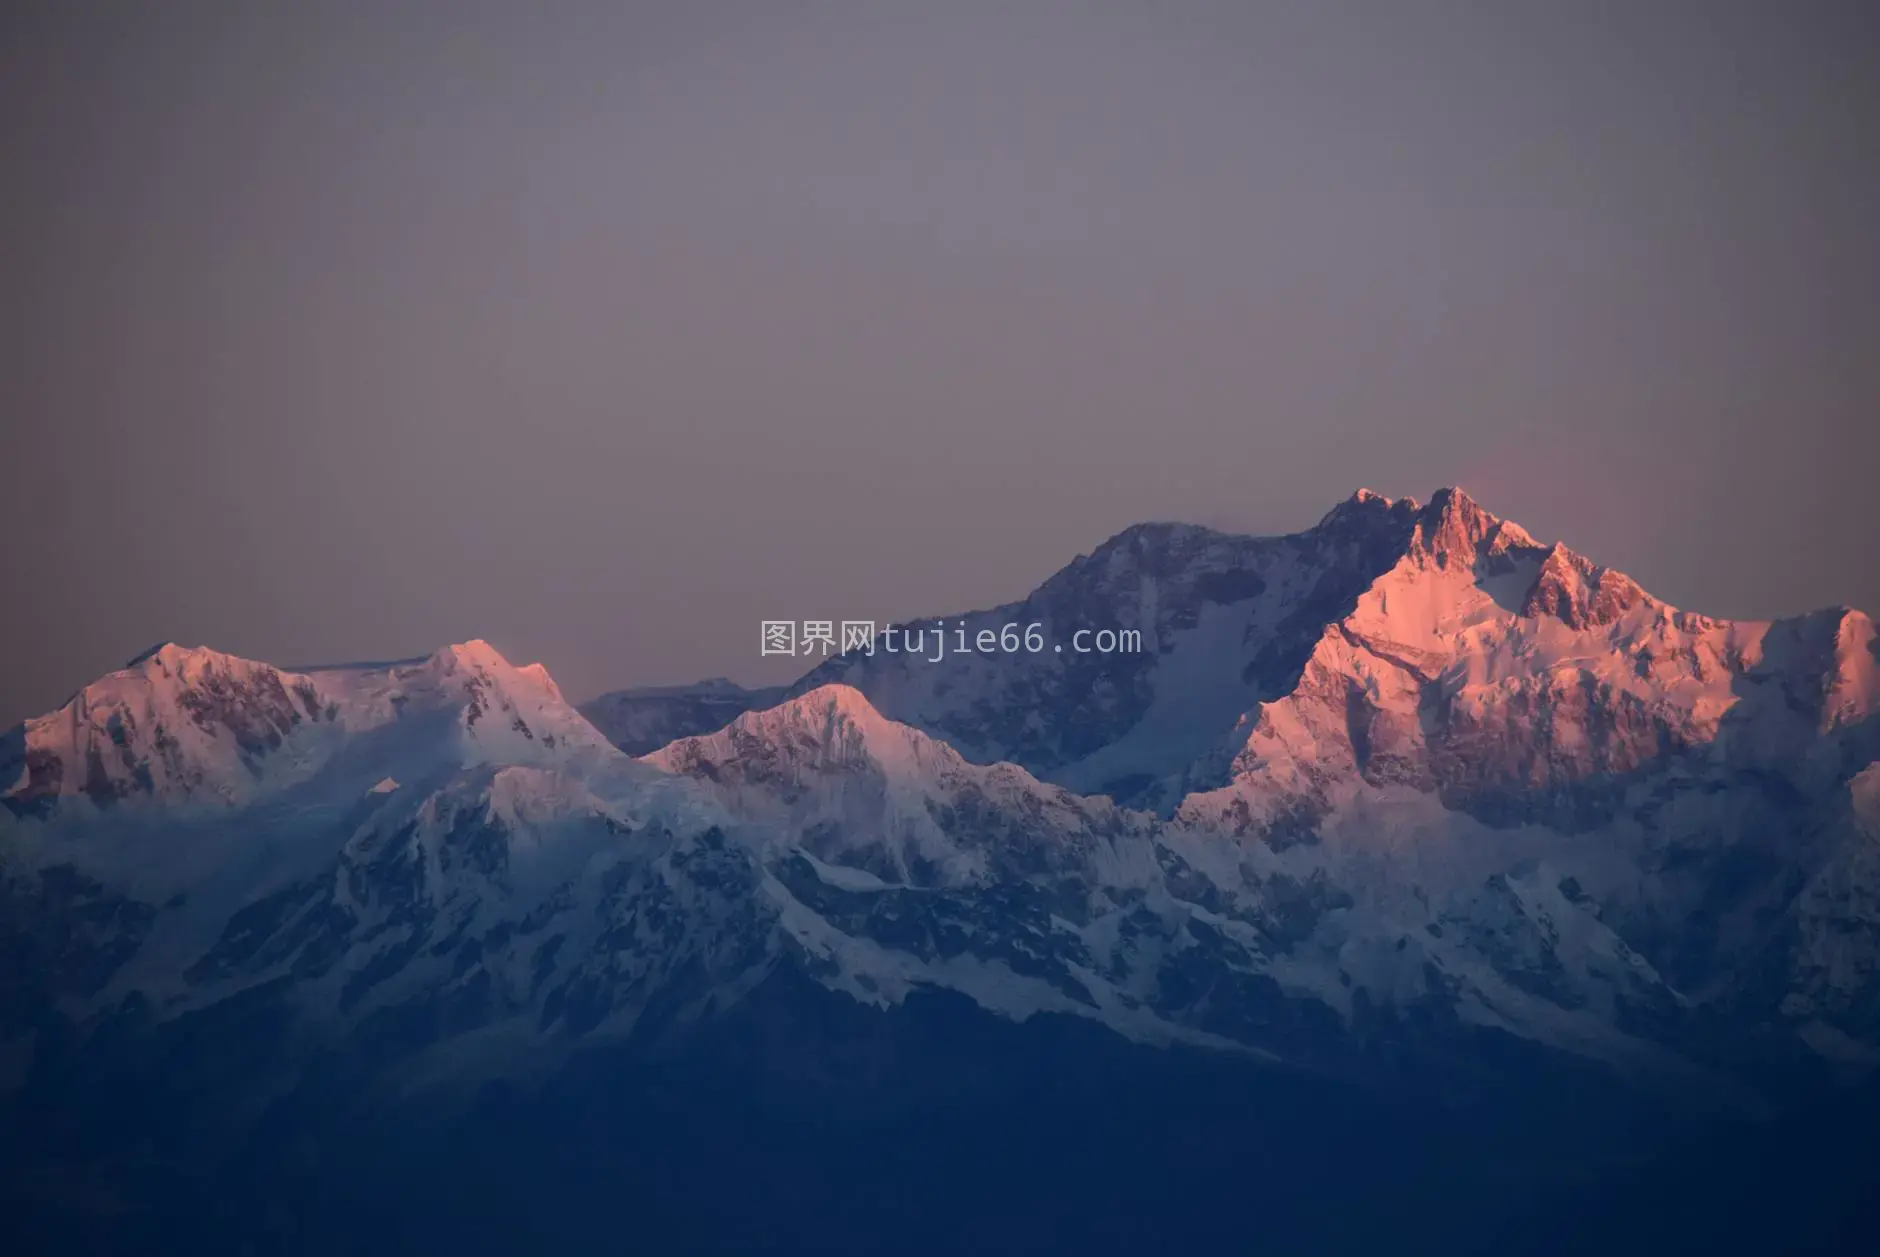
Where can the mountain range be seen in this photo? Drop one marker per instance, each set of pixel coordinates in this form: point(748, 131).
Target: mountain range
point(1407, 804)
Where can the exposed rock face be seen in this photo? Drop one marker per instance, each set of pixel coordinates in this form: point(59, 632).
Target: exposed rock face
point(1578, 593)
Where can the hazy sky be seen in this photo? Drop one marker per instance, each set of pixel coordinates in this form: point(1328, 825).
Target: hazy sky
point(345, 330)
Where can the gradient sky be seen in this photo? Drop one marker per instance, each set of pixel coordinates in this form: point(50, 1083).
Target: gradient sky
point(604, 331)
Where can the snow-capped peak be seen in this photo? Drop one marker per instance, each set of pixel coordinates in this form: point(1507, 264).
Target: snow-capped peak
point(1454, 528)
point(191, 723)
point(477, 656)
point(831, 727)
point(1580, 593)
point(1405, 759)
point(827, 706)
point(178, 720)
point(1368, 504)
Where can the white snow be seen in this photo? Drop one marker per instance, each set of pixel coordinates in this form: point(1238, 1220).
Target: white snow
point(239, 780)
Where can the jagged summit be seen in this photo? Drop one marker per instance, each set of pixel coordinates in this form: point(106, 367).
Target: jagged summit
point(1453, 527)
point(1451, 530)
point(1578, 592)
point(193, 723)
point(1227, 622)
point(1451, 523)
point(1401, 773)
point(1368, 504)
point(1454, 532)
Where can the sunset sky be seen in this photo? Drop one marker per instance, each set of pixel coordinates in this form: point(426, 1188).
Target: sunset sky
point(603, 331)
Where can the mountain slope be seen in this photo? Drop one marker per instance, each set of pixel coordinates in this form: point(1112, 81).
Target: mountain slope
point(1225, 622)
point(902, 866)
point(407, 836)
point(1688, 775)
point(1459, 834)
point(185, 726)
point(1463, 733)
point(1408, 799)
point(644, 719)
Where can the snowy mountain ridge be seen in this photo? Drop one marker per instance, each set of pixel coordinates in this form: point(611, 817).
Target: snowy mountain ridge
point(193, 724)
point(1370, 791)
